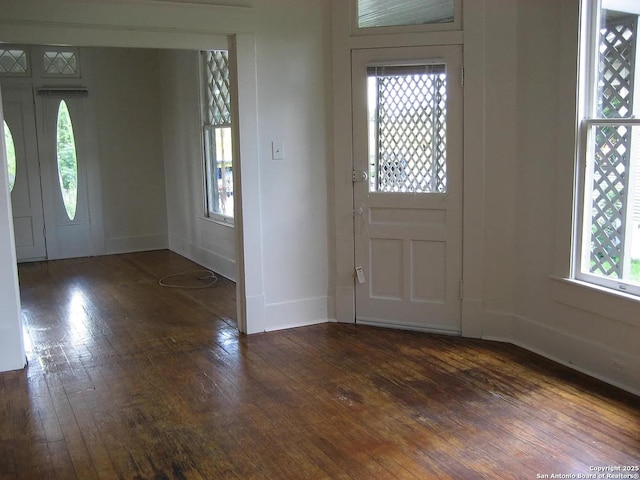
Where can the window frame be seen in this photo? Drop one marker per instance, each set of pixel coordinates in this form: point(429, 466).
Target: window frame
point(587, 120)
point(209, 213)
point(27, 53)
point(42, 51)
point(377, 71)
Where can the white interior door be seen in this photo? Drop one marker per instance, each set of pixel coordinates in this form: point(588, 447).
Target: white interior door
point(26, 197)
point(407, 137)
point(62, 133)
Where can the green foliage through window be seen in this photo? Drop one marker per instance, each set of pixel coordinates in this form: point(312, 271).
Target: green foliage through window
point(11, 155)
point(67, 161)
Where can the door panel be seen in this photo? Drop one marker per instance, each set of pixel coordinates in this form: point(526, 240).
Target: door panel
point(66, 238)
point(26, 198)
point(407, 111)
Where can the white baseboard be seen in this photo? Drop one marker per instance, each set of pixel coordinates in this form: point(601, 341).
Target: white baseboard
point(498, 326)
point(472, 318)
point(586, 356)
point(410, 328)
point(141, 243)
point(298, 313)
point(345, 306)
point(255, 312)
point(214, 261)
point(207, 258)
point(12, 355)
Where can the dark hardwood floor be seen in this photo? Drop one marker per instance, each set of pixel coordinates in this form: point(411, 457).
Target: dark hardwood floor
point(130, 380)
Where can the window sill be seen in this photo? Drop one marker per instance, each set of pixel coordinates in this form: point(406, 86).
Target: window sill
point(219, 220)
point(602, 301)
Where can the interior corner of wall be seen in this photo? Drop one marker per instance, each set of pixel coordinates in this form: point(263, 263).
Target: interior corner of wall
point(472, 319)
point(345, 310)
point(498, 326)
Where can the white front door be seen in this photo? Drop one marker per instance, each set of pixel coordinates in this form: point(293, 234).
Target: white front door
point(62, 135)
point(407, 137)
point(26, 197)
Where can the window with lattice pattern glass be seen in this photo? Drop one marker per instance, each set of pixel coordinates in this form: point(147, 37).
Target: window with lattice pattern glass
point(407, 108)
point(609, 252)
point(217, 133)
point(60, 63)
point(13, 61)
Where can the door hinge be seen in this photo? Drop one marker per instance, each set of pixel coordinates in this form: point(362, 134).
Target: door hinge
point(462, 77)
point(461, 289)
point(359, 176)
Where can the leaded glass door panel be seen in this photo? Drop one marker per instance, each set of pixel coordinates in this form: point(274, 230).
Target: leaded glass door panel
point(407, 154)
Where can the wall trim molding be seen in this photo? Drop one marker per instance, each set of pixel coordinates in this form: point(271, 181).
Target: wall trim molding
point(298, 313)
point(143, 16)
point(213, 261)
point(139, 243)
point(585, 356)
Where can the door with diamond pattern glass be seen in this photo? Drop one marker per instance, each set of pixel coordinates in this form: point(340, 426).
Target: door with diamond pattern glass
point(407, 154)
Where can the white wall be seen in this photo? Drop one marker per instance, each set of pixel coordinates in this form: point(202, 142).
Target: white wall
point(574, 324)
point(204, 241)
point(12, 354)
point(126, 95)
point(293, 44)
point(528, 183)
point(292, 53)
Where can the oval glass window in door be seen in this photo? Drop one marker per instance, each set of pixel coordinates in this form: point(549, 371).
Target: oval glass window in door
point(67, 161)
point(11, 155)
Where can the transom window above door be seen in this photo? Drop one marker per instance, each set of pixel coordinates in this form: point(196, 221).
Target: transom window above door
point(14, 61)
point(39, 61)
point(382, 16)
point(60, 62)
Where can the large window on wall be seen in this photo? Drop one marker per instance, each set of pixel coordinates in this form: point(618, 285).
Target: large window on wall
point(217, 136)
point(608, 220)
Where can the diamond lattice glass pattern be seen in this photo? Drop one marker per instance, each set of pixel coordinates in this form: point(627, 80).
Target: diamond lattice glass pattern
point(60, 63)
point(410, 129)
point(612, 150)
point(218, 108)
point(13, 61)
point(609, 183)
point(617, 52)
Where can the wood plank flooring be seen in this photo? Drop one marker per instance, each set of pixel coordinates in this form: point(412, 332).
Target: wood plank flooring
point(130, 380)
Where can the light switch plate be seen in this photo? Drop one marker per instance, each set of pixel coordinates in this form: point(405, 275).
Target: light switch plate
point(277, 150)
